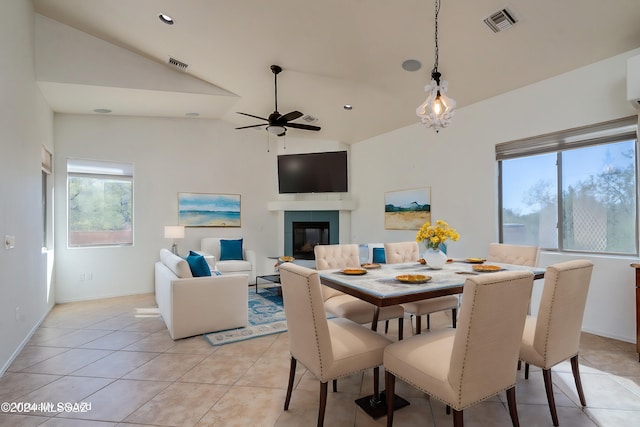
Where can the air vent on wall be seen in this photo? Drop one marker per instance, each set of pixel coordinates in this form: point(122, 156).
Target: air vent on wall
point(500, 20)
point(178, 64)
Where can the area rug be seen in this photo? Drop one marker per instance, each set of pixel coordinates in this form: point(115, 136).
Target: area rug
point(266, 316)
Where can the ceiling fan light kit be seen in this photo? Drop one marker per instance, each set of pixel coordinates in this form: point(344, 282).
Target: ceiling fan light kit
point(438, 110)
point(277, 123)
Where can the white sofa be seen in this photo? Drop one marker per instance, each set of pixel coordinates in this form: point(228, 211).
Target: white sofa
point(211, 246)
point(197, 305)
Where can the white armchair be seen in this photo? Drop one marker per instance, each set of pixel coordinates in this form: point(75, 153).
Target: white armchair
point(246, 265)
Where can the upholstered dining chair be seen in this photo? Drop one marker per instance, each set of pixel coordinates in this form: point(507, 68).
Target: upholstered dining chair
point(474, 362)
point(513, 254)
point(329, 349)
point(398, 252)
point(554, 335)
point(343, 305)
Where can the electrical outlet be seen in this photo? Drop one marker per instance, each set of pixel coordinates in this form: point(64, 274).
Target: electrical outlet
point(83, 277)
point(9, 241)
point(17, 313)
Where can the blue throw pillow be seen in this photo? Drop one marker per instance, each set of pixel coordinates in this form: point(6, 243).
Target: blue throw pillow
point(198, 265)
point(379, 256)
point(231, 250)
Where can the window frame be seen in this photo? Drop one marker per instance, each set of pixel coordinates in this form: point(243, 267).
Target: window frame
point(614, 131)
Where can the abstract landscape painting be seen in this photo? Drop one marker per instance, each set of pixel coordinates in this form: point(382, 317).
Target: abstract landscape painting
point(407, 209)
point(208, 210)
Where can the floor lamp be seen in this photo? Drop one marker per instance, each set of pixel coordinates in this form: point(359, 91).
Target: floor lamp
point(174, 232)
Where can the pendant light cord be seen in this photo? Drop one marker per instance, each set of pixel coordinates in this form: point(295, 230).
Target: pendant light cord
point(435, 65)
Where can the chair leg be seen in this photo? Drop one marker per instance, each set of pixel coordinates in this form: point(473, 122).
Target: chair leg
point(376, 383)
point(454, 317)
point(519, 364)
point(448, 410)
point(323, 403)
point(400, 328)
point(513, 409)
point(335, 386)
point(548, 386)
point(576, 376)
point(418, 325)
point(386, 327)
point(458, 420)
point(526, 371)
point(428, 322)
point(389, 385)
point(292, 376)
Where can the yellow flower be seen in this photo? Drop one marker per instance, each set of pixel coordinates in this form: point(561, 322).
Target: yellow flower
point(434, 235)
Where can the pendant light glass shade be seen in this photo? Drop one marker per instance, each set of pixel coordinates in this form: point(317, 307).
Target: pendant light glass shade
point(438, 110)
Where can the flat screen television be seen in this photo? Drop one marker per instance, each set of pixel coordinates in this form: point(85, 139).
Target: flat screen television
point(313, 173)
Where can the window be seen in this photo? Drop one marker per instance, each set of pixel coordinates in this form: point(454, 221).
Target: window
point(100, 203)
point(571, 191)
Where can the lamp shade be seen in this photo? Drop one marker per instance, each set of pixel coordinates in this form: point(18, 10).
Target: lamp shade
point(174, 232)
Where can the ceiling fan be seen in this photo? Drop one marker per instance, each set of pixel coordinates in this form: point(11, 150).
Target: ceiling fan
point(277, 123)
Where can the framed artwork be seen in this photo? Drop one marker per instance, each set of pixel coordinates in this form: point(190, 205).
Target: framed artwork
point(407, 209)
point(208, 210)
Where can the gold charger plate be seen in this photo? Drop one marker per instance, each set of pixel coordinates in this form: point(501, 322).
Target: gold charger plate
point(485, 268)
point(369, 265)
point(475, 260)
point(286, 258)
point(413, 278)
point(354, 271)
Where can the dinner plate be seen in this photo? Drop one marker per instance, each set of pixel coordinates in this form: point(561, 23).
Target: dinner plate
point(370, 266)
point(354, 271)
point(413, 278)
point(475, 260)
point(486, 268)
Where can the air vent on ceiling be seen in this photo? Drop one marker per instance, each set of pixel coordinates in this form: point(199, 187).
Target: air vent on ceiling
point(309, 118)
point(500, 20)
point(178, 64)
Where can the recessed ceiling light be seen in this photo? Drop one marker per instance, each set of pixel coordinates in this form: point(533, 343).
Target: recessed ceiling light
point(348, 107)
point(192, 114)
point(411, 65)
point(102, 110)
point(166, 19)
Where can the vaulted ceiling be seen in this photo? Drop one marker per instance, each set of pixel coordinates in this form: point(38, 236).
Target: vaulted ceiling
point(333, 52)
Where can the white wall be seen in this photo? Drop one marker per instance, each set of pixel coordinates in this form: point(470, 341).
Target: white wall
point(459, 165)
point(26, 123)
point(169, 156)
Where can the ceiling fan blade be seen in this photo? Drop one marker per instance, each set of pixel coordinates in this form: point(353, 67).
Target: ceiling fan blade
point(291, 116)
point(251, 126)
point(302, 126)
point(251, 115)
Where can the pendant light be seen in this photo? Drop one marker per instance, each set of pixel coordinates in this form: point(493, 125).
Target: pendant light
point(437, 111)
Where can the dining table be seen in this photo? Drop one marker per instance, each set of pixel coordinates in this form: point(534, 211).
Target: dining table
point(379, 285)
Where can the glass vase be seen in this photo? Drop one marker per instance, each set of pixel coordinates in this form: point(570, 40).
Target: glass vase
point(436, 259)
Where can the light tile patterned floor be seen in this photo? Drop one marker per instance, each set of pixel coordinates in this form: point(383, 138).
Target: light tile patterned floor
point(132, 373)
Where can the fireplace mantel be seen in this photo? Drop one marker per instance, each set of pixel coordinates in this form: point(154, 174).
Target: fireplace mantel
point(312, 205)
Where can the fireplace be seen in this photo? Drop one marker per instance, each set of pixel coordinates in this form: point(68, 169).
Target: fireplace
point(306, 235)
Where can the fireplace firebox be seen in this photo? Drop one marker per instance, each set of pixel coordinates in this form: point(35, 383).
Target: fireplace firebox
point(306, 235)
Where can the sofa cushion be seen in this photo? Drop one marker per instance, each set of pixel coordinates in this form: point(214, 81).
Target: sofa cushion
point(198, 265)
point(233, 266)
point(379, 256)
point(178, 265)
point(231, 250)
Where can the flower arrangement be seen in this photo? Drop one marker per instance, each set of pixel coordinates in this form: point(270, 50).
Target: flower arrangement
point(434, 235)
